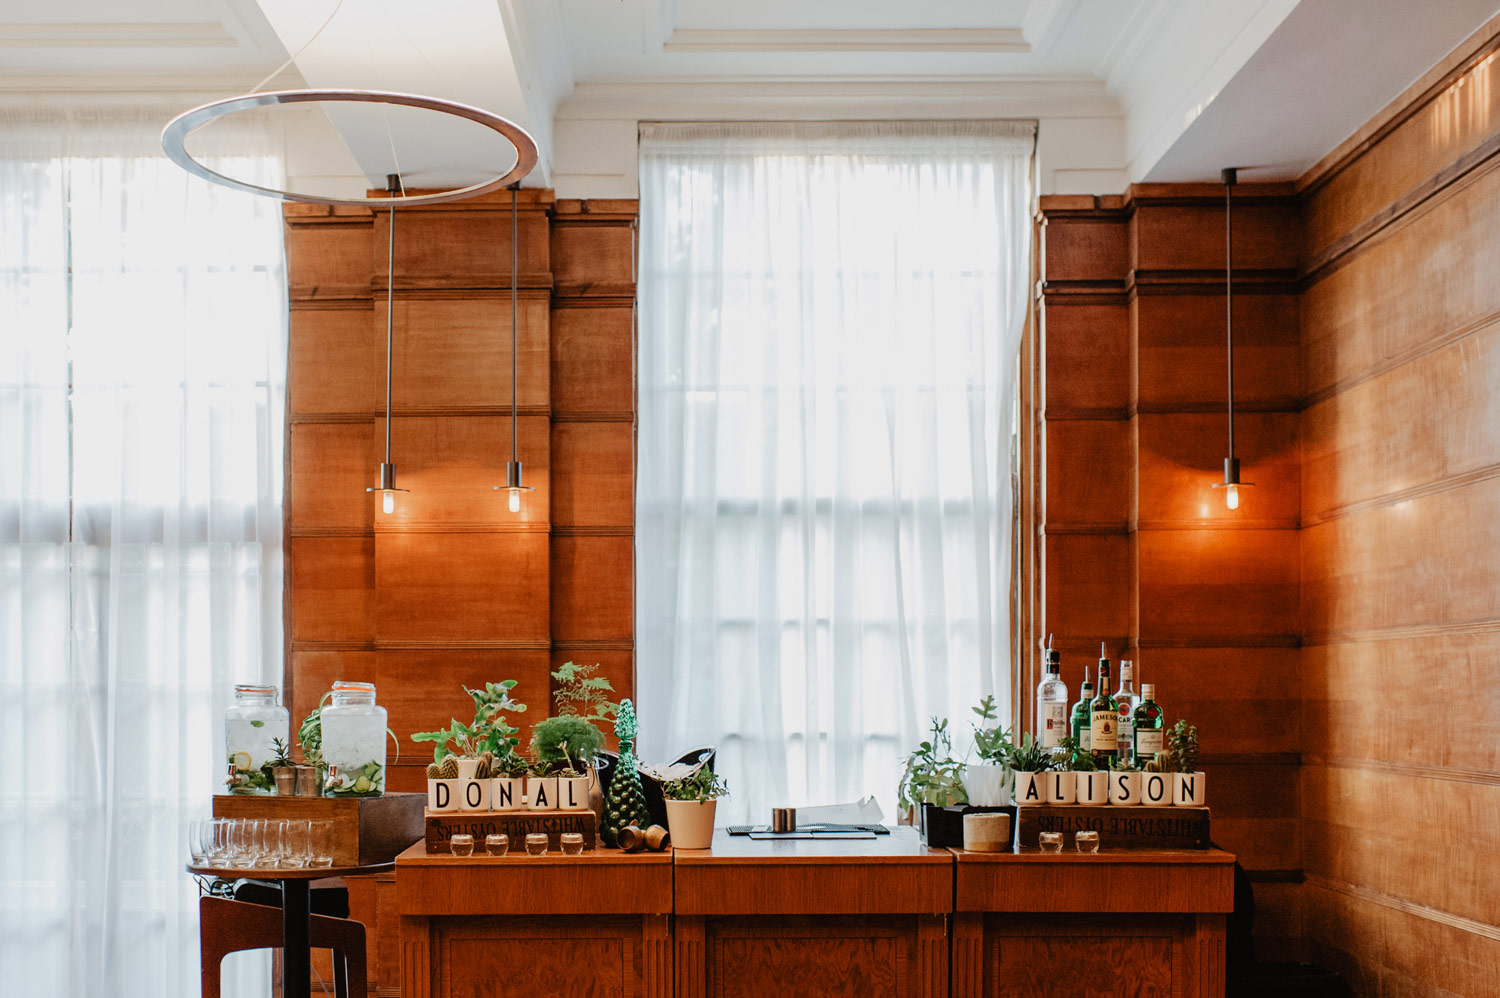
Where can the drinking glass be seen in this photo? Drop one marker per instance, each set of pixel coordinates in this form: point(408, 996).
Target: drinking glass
point(536, 843)
point(195, 840)
point(298, 847)
point(1086, 841)
point(572, 844)
point(497, 845)
point(1050, 841)
point(258, 848)
point(240, 841)
point(276, 843)
point(320, 838)
point(216, 841)
point(462, 844)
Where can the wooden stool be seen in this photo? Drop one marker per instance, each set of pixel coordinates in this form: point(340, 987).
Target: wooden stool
point(226, 926)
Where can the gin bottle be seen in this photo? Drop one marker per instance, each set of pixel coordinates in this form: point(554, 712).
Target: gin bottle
point(1150, 723)
point(1051, 702)
point(1079, 724)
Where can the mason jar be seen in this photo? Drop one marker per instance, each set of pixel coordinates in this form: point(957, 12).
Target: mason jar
point(353, 742)
point(252, 724)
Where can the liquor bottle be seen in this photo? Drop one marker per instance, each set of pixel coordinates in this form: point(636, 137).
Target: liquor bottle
point(1051, 702)
point(1104, 718)
point(1079, 723)
point(1150, 724)
point(1126, 701)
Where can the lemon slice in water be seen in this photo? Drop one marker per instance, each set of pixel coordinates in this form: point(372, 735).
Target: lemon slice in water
point(241, 760)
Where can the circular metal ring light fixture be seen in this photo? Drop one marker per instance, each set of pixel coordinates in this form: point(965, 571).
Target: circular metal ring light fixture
point(174, 139)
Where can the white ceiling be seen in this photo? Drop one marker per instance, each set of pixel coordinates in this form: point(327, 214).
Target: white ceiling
point(1194, 84)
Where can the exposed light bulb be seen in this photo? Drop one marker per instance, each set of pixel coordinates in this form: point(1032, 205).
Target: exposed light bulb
point(388, 502)
point(515, 500)
point(1232, 496)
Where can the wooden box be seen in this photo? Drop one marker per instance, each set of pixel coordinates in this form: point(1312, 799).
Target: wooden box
point(365, 829)
point(442, 825)
point(1136, 827)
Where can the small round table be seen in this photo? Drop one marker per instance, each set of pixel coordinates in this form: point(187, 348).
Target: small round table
point(296, 912)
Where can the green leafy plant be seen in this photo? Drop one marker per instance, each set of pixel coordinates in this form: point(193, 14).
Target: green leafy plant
point(1073, 757)
point(283, 756)
point(580, 693)
point(568, 742)
point(932, 775)
point(702, 785)
point(992, 743)
point(1121, 765)
point(1029, 756)
point(310, 734)
point(1182, 748)
point(489, 732)
point(512, 765)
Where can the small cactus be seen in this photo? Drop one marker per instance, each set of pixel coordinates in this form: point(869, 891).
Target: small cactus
point(448, 768)
point(1161, 763)
point(434, 771)
point(486, 767)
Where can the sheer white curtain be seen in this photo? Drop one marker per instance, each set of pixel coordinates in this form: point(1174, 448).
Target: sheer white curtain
point(829, 322)
point(142, 369)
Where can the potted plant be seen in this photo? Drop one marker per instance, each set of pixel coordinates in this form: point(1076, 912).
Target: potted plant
point(310, 737)
point(1189, 786)
point(691, 802)
point(488, 732)
point(988, 782)
point(1091, 785)
point(541, 786)
point(1156, 782)
point(508, 783)
point(932, 776)
point(568, 743)
point(282, 768)
point(442, 785)
point(1124, 783)
point(1062, 778)
point(1030, 762)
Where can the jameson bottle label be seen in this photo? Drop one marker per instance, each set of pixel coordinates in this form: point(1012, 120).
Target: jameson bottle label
point(1104, 731)
point(1056, 723)
point(1147, 742)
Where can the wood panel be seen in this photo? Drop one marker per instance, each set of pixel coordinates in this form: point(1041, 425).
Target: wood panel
point(750, 958)
point(1181, 228)
point(593, 588)
point(593, 474)
point(331, 466)
point(452, 464)
point(1180, 349)
point(455, 352)
point(1181, 455)
point(327, 251)
point(1218, 587)
point(333, 582)
point(331, 360)
point(466, 243)
point(593, 360)
point(1084, 350)
point(1087, 479)
point(462, 587)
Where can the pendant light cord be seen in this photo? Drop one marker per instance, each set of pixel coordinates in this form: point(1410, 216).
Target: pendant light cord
point(515, 256)
point(1229, 180)
point(390, 315)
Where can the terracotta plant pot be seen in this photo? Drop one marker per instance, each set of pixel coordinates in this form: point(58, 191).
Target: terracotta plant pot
point(309, 782)
point(691, 823)
point(541, 793)
point(1031, 788)
point(1156, 789)
point(1093, 787)
point(286, 780)
point(1125, 788)
point(508, 793)
point(1189, 789)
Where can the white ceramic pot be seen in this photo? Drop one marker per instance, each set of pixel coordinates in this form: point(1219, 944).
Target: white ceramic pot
point(988, 784)
point(1031, 788)
point(1156, 789)
point(691, 823)
point(1125, 788)
point(573, 793)
point(1093, 787)
point(466, 768)
point(442, 795)
point(508, 793)
point(473, 795)
point(541, 793)
point(1062, 787)
point(1189, 789)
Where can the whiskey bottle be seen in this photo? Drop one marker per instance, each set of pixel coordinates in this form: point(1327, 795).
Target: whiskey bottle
point(1126, 701)
point(1104, 718)
point(1051, 702)
point(1079, 726)
point(1150, 724)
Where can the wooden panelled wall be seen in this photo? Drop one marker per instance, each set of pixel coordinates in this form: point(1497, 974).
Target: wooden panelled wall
point(1335, 638)
point(452, 589)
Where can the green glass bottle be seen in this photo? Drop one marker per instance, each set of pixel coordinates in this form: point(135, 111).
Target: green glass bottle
point(1079, 725)
point(1104, 719)
point(1150, 725)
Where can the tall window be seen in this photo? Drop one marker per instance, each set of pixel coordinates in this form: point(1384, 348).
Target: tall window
point(829, 322)
point(142, 368)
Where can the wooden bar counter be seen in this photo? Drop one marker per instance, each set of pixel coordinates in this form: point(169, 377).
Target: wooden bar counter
point(1071, 924)
point(595, 924)
point(841, 917)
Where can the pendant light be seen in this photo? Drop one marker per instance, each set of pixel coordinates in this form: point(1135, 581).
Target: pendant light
point(387, 487)
point(1231, 483)
point(513, 486)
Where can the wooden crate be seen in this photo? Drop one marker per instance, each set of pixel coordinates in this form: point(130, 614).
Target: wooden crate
point(1136, 827)
point(442, 825)
point(365, 829)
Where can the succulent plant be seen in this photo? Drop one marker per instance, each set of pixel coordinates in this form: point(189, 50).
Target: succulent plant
point(1029, 756)
point(1182, 748)
point(485, 767)
point(511, 765)
point(283, 753)
point(1072, 757)
point(447, 768)
point(434, 771)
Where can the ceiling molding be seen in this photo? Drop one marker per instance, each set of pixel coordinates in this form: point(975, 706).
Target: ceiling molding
point(1044, 21)
point(123, 86)
point(848, 40)
point(1131, 42)
point(96, 35)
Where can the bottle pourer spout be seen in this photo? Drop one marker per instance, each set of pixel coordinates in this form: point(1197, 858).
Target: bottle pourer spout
point(1101, 650)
